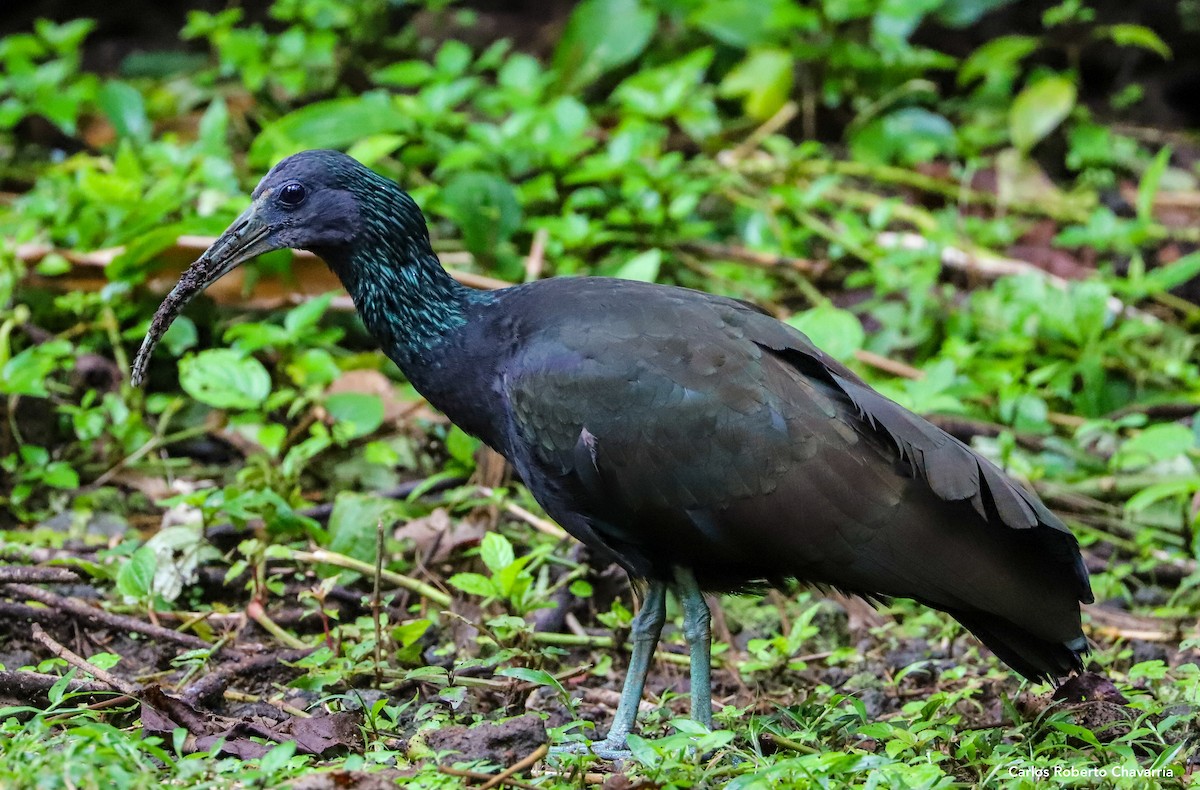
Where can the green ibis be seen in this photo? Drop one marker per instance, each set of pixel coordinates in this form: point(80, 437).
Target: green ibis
point(696, 440)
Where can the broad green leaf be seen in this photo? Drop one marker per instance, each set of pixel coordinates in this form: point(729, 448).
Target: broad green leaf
point(407, 634)
point(225, 379)
point(661, 92)
point(461, 446)
point(1160, 491)
point(835, 331)
point(27, 372)
point(334, 123)
point(306, 315)
point(644, 266)
point(1137, 36)
point(473, 584)
point(370, 150)
point(997, 57)
point(360, 413)
point(485, 208)
point(910, 135)
point(734, 22)
point(763, 79)
point(496, 552)
point(1155, 443)
point(1039, 109)
point(135, 577)
point(60, 474)
point(405, 74)
point(126, 109)
point(277, 759)
point(354, 522)
point(600, 36)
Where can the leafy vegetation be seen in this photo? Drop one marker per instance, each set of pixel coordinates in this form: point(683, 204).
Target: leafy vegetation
point(966, 231)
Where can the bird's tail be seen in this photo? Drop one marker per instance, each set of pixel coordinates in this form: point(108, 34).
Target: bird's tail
point(1033, 656)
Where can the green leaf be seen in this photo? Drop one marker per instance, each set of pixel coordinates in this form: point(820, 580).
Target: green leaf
point(60, 474)
point(359, 412)
point(835, 331)
point(996, 58)
point(461, 446)
point(277, 759)
point(1155, 443)
point(306, 315)
point(181, 336)
point(1148, 186)
point(496, 552)
point(644, 267)
point(473, 584)
point(663, 91)
point(27, 372)
point(734, 22)
point(225, 379)
point(1160, 491)
point(126, 109)
point(485, 208)
point(407, 634)
point(1137, 36)
point(600, 36)
point(539, 677)
point(764, 79)
point(1173, 275)
point(354, 521)
point(405, 74)
point(910, 135)
point(334, 123)
point(136, 576)
point(1039, 109)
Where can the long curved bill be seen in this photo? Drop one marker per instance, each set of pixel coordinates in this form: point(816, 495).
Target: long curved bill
point(244, 239)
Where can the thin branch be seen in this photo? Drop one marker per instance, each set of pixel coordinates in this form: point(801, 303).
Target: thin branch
point(520, 765)
point(81, 663)
point(33, 574)
point(367, 569)
point(84, 611)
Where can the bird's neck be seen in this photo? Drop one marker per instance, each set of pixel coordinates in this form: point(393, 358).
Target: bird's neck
point(406, 299)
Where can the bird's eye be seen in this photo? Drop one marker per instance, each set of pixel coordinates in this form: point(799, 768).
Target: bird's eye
point(291, 194)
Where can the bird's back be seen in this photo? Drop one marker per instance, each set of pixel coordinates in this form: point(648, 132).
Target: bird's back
point(671, 427)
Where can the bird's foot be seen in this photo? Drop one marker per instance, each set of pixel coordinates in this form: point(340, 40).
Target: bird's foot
point(614, 749)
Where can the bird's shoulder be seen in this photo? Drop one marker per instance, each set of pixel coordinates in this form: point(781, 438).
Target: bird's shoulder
point(665, 391)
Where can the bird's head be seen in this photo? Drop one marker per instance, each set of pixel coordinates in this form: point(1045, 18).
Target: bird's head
point(315, 200)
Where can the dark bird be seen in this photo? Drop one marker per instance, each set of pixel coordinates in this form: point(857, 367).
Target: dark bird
point(697, 440)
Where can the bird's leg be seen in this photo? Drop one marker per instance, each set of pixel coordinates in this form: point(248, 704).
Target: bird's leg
point(697, 628)
point(646, 627)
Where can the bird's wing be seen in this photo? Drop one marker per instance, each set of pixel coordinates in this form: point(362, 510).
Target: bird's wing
point(679, 400)
point(640, 408)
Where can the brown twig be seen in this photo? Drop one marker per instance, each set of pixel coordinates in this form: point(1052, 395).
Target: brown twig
point(32, 574)
point(217, 681)
point(82, 610)
point(758, 258)
point(81, 663)
point(27, 685)
point(536, 260)
point(377, 602)
point(517, 767)
point(480, 776)
point(892, 366)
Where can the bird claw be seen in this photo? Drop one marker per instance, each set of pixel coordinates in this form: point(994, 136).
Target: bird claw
point(606, 749)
